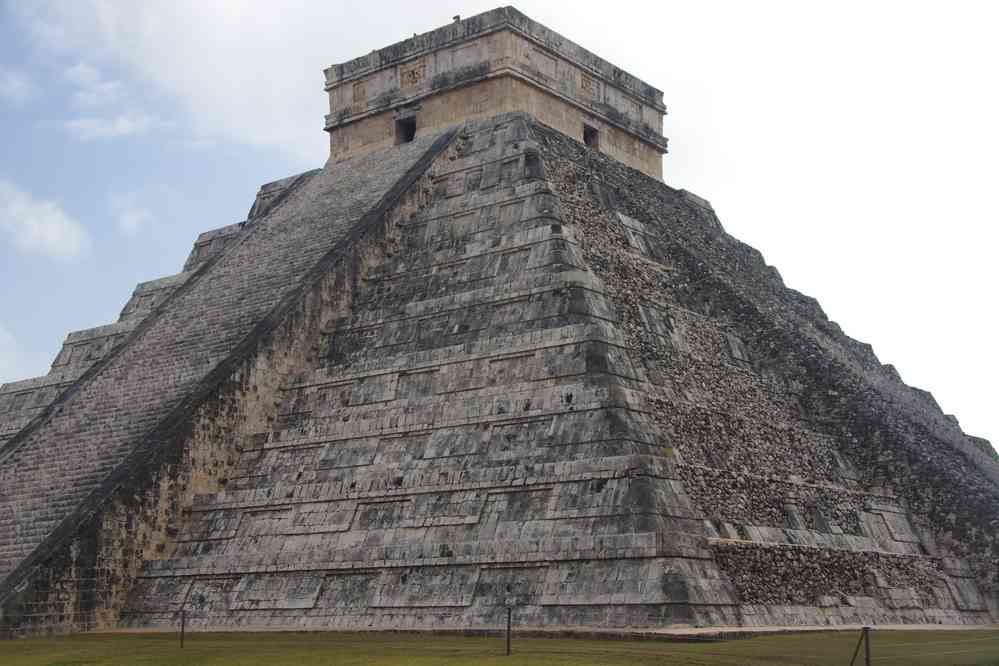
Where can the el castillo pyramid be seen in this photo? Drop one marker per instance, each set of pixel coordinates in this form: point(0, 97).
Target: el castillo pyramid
point(484, 357)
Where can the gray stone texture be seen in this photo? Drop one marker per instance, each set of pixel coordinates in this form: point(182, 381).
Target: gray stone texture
point(55, 474)
point(547, 380)
point(458, 72)
point(21, 402)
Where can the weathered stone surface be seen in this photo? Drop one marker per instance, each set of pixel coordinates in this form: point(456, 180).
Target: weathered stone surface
point(494, 62)
point(520, 401)
point(491, 366)
point(23, 401)
point(56, 475)
point(795, 434)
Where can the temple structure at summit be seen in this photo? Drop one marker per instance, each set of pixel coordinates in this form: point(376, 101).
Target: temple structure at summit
point(484, 357)
point(493, 63)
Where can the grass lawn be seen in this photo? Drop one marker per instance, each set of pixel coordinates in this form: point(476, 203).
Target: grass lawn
point(904, 648)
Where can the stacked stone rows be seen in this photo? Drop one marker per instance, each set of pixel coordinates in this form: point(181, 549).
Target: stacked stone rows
point(112, 413)
point(695, 305)
point(475, 409)
point(22, 401)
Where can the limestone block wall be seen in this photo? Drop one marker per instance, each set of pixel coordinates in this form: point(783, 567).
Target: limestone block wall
point(211, 244)
point(494, 62)
point(475, 432)
point(104, 481)
point(805, 454)
point(487, 368)
point(527, 401)
point(214, 242)
point(150, 295)
point(23, 401)
point(486, 99)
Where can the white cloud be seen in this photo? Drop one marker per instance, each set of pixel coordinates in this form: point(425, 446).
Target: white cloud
point(16, 87)
point(243, 71)
point(88, 128)
point(84, 75)
point(130, 215)
point(122, 117)
point(196, 143)
point(92, 88)
point(40, 227)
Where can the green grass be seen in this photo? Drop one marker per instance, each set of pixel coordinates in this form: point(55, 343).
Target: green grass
point(903, 648)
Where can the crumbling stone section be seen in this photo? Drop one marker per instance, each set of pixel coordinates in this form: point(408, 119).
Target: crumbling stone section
point(745, 444)
point(748, 499)
point(777, 379)
point(801, 575)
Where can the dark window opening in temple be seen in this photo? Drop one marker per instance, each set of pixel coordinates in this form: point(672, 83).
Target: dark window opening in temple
point(532, 165)
point(405, 130)
point(591, 137)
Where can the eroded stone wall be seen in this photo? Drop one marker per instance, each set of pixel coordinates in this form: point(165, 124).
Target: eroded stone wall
point(484, 100)
point(476, 434)
point(75, 528)
point(786, 432)
point(85, 585)
point(551, 393)
point(534, 376)
point(499, 61)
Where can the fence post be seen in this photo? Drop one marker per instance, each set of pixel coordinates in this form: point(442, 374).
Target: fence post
point(856, 650)
point(509, 618)
point(183, 617)
point(867, 646)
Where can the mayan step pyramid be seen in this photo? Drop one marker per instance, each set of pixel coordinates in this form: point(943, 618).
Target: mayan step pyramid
point(483, 358)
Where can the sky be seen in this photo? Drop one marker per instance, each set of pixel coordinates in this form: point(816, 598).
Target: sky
point(853, 143)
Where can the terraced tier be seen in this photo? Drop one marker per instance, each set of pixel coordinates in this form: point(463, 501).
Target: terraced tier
point(58, 473)
point(484, 369)
point(524, 405)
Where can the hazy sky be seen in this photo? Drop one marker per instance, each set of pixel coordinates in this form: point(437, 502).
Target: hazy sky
point(853, 143)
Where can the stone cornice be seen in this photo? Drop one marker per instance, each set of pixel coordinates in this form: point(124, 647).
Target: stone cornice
point(503, 18)
point(639, 131)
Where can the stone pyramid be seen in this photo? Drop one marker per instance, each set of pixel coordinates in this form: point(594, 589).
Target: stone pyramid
point(481, 363)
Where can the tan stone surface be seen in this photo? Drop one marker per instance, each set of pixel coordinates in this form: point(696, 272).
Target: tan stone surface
point(514, 65)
